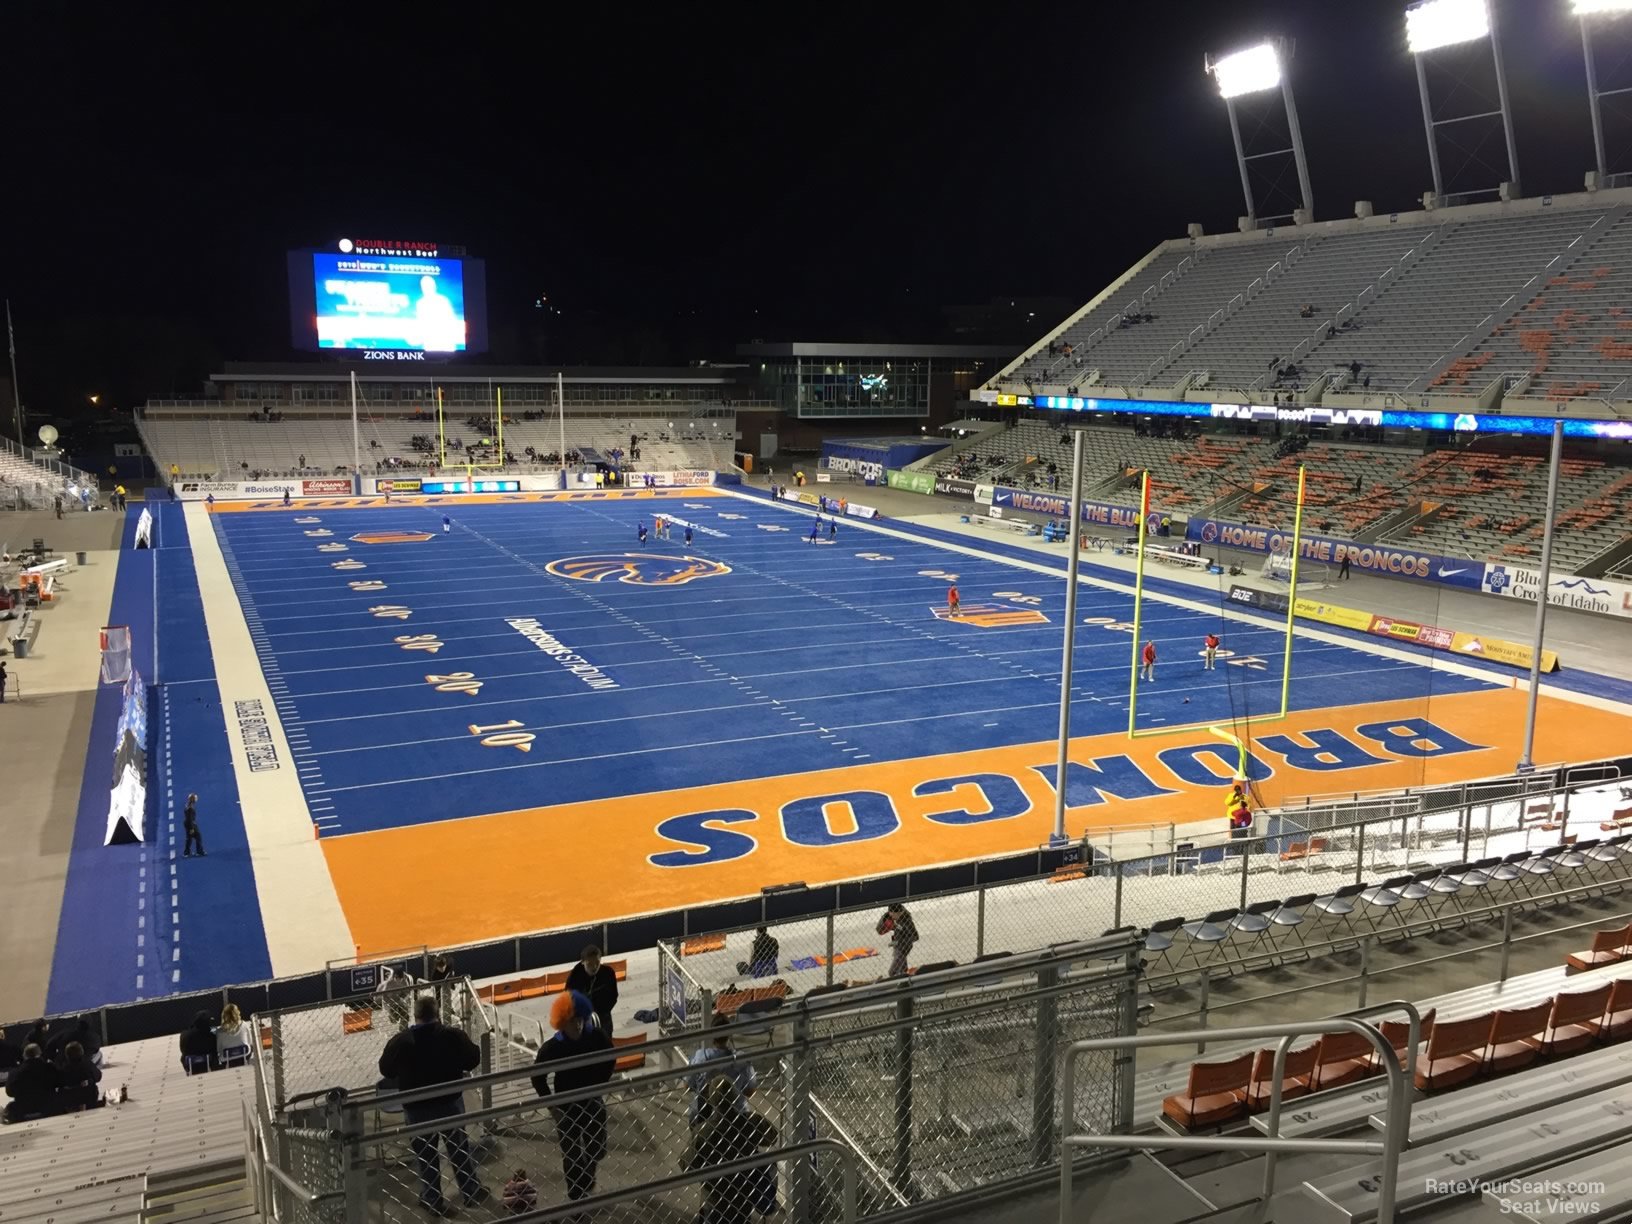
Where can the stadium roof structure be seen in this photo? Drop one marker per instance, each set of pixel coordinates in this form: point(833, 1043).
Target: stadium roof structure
point(1519, 306)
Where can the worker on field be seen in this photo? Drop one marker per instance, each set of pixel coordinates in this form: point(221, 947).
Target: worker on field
point(1211, 652)
point(1238, 810)
point(952, 600)
point(1147, 657)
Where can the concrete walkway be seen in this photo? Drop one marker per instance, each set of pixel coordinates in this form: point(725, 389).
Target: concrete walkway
point(44, 731)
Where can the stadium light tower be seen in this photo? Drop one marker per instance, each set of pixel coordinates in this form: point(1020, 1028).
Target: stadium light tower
point(1589, 11)
point(1257, 70)
point(1434, 25)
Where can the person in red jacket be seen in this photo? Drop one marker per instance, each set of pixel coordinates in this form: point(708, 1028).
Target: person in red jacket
point(952, 600)
point(1148, 656)
point(1212, 652)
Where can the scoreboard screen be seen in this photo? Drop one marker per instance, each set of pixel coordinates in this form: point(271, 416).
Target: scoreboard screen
point(389, 302)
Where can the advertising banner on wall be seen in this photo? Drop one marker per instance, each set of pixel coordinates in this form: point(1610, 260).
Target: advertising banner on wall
point(1384, 559)
point(954, 488)
point(912, 482)
point(1057, 505)
point(334, 487)
point(1435, 637)
point(1604, 596)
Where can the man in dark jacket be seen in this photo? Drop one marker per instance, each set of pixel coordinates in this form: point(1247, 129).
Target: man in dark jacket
point(580, 1126)
point(429, 1052)
point(590, 977)
point(198, 1045)
point(32, 1087)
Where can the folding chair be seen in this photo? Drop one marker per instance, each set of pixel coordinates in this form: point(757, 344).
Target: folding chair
point(195, 1064)
point(1287, 918)
point(1385, 898)
point(1159, 941)
point(1248, 929)
point(1208, 934)
point(1508, 872)
point(1337, 908)
point(1536, 873)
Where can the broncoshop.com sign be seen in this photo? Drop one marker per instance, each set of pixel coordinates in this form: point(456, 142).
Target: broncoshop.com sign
point(337, 487)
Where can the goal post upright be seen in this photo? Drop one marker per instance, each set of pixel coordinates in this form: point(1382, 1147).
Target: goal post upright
point(1138, 599)
point(1292, 597)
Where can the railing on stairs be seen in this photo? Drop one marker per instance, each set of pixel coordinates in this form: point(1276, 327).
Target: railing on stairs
point(1396, 1109)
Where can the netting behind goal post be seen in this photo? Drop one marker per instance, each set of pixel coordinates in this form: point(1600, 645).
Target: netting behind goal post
point(1283, 557)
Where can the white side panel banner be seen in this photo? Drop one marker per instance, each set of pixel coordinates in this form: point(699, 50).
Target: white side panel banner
point(1605, 596)
point(144, 529)
point(865, 512)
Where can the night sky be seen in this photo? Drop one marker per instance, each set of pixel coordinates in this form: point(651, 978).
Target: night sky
point(674, 180)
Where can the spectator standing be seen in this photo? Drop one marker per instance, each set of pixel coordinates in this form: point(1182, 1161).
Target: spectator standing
point(32, 1085)
point(741, 1076)
point(232, 1038)
point(425, 1054)
point(599, 982)
point(580, 1126)
point(198, 1046)
point(733, 1133)
point(897, 923)
point(80, 1077)
point(3, 679)
point(1343, 567)
point(1147, 658)
point(189, 824)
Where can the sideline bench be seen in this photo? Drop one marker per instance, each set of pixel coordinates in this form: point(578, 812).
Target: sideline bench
point(1019, 526)
point(1485, 1156)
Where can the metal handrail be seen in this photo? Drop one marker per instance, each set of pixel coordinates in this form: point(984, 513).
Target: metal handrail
point(578, 1207)
point(1271, 1144)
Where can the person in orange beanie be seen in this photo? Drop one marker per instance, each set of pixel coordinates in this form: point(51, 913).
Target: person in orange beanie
point(580, 1126)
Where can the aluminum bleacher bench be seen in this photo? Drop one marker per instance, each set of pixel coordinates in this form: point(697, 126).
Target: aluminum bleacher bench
point(1486, 1155)
point(1589, 1188)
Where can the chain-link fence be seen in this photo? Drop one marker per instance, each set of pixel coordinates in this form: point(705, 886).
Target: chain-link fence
point(705, 977)
point(917, 1089)
point(337, 1044)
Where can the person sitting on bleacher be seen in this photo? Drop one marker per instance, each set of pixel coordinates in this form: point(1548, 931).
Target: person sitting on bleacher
point(232, 1038)
point(733, 1133)
point(32, 1087)
point(10, 1056)
point(198, 1046)
point(742, 1076)
point(80, 1077)
point(86, 1036)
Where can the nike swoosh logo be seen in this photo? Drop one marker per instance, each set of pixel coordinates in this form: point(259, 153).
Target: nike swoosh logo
point(1445, 573)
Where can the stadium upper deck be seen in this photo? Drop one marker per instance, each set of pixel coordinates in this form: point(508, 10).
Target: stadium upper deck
point(1517, 303)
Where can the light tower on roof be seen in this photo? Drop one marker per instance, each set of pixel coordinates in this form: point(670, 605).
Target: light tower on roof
point(1599, 13)
point(1433, 26)
point(1257, 70)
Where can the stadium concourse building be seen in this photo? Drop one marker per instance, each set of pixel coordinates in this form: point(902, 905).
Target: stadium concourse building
point(781, 396)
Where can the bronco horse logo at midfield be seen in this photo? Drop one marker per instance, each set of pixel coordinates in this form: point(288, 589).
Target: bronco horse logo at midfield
point(639, 569)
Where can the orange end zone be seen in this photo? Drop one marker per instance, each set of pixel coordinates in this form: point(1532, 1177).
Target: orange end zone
point(540, 868)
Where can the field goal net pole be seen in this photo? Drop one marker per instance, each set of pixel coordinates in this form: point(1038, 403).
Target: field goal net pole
point(1241, 742)
point(1058, 838)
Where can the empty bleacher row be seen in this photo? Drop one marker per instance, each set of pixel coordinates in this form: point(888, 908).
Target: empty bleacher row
point(1435, 301)
point(241, 447)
